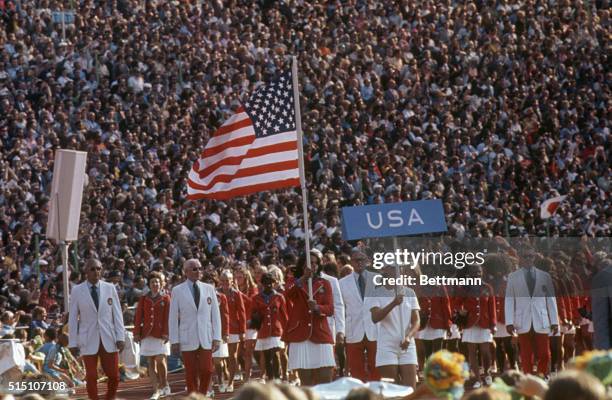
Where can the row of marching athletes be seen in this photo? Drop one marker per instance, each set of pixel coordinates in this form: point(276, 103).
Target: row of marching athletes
point(382, 329)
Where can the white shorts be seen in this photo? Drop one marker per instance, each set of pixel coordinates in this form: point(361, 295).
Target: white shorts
point(309, 355)
point(476, 334)
point(388, 355)
point(233, 338)
point(152, 346)
point(251, 334)
point(430, 333)
point(501, 332)
point(222, 351)
point(269, 343)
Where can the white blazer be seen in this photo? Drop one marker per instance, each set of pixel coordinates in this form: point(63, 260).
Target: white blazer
point(336, 322)
point(524, 311)
point(193, 327)
point(358, 320)
point(88, 326)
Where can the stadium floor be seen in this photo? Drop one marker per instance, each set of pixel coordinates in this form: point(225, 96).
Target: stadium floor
point(141, 389)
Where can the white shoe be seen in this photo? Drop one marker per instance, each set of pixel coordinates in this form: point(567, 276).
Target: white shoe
point(222, 388)
point(477, 385)
point(229, 388)
point(238, 376)
point(488, 380)
point(210, 394)
point(155, 395)
point(166, 391)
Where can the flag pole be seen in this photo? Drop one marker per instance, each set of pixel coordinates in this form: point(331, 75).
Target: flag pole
point(298, 128)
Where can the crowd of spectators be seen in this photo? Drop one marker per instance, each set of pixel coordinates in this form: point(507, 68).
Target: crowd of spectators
point(492, 106)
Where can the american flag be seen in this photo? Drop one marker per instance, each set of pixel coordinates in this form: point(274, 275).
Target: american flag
point(255, 150)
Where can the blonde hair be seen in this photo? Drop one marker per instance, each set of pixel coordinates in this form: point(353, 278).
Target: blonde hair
point(277, 273)
point(157, 275)
point(248, 278)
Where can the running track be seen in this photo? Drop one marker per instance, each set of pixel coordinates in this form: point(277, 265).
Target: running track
point(140, 389)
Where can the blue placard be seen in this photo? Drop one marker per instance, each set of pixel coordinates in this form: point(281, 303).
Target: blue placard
point(393, 219)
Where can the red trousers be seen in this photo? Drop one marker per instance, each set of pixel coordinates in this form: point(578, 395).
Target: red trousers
point(110, 365)
point(531, 343)
point(198, 367)
point(356, 360)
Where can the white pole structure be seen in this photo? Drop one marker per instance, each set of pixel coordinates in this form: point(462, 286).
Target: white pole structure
point(298, 128)
point(397, 275)
point(66, 274)
point(64, 254)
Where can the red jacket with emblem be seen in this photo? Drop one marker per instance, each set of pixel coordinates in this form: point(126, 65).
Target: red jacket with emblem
point(304, 324)
point(273, 312)
point(436, 305)
point(225, 315)
point(236, 307)
point(246, 299)
point(480, 306)
point(151, 318)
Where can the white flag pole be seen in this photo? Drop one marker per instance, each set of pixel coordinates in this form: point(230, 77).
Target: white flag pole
point(298, 127)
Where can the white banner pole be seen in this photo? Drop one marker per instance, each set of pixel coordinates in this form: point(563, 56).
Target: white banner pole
point(298, 127)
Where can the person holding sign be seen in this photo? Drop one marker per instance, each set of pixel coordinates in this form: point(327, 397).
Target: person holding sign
point(95, 328)
point(311, 350)
point(395, 310)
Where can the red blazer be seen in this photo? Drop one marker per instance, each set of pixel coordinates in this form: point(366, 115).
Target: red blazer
point(304, 324)
point(500, 309)
point(437, 308)
point(246, 299)
point(562, 309)
point(151, 318)
point(225, 315)
point(481, 309)
point(273, 314)
point(235, 304)
point(500, 301)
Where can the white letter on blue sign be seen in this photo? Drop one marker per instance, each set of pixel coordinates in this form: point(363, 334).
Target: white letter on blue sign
point(395, 215)
point(414, 216)
point(380, 221)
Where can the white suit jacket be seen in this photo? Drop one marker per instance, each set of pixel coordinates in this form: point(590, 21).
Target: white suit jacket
point(193, 327)
point(358, 320)
point(88, 326)
point(524, 311)
point(336, 322)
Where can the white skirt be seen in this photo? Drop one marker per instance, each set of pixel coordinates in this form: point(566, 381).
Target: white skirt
point(501, 332)
point(269, 343)
point(222, 351)
point(309, 355)
point(430, 333)
point(233, 338)
point(152, 346)
point(455, 334)
point(251, 334)
point(476, 334)
point(566, 331)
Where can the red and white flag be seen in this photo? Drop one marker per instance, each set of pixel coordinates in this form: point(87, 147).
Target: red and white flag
point(255, 150)
point(548, 207)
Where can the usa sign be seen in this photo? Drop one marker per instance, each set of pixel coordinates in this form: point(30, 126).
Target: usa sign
point(393, 219)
